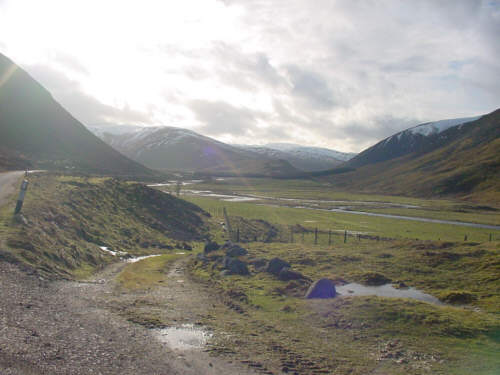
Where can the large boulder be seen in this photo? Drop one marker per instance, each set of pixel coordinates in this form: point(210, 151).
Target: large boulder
point(259, 264)
point(276, 265)
point(236, 251)
point(323, 288)
point(286, 274)
point(235, 266)
point(211, 246)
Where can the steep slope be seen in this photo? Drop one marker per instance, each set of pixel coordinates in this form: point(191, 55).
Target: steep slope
point(463, 161)
point(176, 149)
point(309, 159)
point(34, 128)
point(414, 140)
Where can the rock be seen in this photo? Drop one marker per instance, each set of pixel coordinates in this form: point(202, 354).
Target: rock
point(323, 288)
point(374, 279)
point(235, 266)
point(276, 265)
point(236, 251)
point(286, 274)
point(259, 264)
point(460, 297)
point(211, 246)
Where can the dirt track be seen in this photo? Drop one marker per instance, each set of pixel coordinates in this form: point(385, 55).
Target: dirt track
point(70, 328)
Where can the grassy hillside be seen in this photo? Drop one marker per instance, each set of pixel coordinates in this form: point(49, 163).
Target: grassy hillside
point(34, 125)
point(467, 165)
point(69, 218)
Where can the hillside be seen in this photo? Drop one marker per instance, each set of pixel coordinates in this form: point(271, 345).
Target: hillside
point(176, 149)
point(68, 219)
point(37, 131)
point(308, 159)
point(461, 161)
point(416, 140)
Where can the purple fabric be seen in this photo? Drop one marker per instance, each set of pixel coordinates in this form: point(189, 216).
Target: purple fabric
point(323, 288)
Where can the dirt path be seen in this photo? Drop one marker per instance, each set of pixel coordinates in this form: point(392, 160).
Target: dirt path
point(81, 327)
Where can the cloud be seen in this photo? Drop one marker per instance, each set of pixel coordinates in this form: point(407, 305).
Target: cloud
point(82, 106)
point(311, 87)
point(219, 118)
point(332, 73)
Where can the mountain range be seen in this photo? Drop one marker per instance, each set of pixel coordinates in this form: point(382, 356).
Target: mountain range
point(36, 131)
point(448, 157)
point(177, 149)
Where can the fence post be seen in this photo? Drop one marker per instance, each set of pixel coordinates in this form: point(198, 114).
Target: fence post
point(20, 199)
point(345, 236)
point(315, 236)
point(228, 225)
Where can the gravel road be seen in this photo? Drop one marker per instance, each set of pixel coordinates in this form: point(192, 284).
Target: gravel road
point(68, 328)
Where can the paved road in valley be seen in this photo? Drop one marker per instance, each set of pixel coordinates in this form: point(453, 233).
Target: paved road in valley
point(8, 184)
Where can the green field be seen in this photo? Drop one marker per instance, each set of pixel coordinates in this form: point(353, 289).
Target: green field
point(358, 335)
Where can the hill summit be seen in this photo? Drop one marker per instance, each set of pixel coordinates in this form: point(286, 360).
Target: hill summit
point(37, 131)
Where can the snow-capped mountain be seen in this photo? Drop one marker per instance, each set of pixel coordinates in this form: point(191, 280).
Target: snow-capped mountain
point(417, 139)
point(306, 158)
point(171, 148)
point(177, 149)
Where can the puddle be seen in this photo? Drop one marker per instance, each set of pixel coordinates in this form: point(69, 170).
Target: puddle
point(387, 290)
point(185, 337)
point(136, 259)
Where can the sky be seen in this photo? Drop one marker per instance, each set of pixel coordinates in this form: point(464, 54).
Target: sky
point(328, 73)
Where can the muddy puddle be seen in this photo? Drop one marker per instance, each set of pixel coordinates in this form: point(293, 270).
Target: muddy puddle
point(185, 337)
point(387, 290)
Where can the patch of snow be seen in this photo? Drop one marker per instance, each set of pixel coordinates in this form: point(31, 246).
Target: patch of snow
point(114, 253)
point(437, 127)
point(136, 259)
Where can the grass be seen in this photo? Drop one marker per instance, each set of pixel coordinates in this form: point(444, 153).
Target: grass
point(338, 222)
point(146, 273)
point(69, 218)
point(348, 335)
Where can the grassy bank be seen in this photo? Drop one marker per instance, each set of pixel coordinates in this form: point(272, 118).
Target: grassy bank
point(67, 220)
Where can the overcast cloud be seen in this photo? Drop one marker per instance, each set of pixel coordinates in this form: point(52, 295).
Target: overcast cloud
point(338, 74)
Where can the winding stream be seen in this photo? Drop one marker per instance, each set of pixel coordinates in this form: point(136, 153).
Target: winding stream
point(314, 205)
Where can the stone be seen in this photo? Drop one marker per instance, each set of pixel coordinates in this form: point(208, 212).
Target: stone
point(286, 274)
point(276, 265)
point(259, 264)
point(235, 266)
point(211, 246)
point(236, 251)
point(322, 288)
